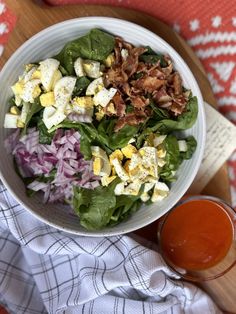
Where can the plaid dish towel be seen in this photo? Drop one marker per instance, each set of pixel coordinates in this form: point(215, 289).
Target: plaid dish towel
point(44, 270)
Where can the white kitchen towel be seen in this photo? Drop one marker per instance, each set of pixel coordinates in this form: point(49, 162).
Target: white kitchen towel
point(44, 270)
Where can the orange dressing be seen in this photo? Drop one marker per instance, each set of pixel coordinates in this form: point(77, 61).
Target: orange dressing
point(196, 235)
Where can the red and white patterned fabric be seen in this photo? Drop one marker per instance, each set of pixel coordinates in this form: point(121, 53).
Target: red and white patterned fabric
point(208, 26)
point(7, 23)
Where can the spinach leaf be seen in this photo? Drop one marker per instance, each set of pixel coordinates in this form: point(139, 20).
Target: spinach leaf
point(100, 207)
point(85, 148)
point(34, 108)
point(185, 121)
point(81, 85)
point(114, 140)
point(159, 113)
point(96, 45)
point(103, 136)
point(150, 56)
point(95, 207)
point(44, 136)
point(191, 147)
point(121, 138)
point(12, 101)
point(137, 75)
point(63, 70)
point(125, 206)
point(65, 125)
point(172, 159)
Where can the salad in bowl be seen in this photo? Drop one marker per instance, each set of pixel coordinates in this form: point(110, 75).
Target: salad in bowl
point(98, 127)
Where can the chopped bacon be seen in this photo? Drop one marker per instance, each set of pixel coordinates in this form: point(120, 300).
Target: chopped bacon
point(126, 89)
point(176, 108)
point(116, 77)
point(130, 119)
point(166, 105)
point(130, 64)
point(148, 84)
point(168, 70)
point(137, 82)
point(177, 83)
point(117, 55)
point(119, 105)
point(161, 96)
point(139, 102)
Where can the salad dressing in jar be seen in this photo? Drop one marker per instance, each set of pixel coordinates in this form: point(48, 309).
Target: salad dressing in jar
point(197, 237)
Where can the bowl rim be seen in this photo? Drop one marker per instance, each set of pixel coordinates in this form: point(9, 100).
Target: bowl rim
point(190, 178)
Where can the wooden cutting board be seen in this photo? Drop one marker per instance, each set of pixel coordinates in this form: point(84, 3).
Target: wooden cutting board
point(33, 17)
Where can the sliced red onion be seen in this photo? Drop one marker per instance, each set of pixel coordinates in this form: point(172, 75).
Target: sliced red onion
point(37, 186)
point(62, 156)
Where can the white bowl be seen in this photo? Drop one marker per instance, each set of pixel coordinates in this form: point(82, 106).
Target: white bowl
point(46, 44)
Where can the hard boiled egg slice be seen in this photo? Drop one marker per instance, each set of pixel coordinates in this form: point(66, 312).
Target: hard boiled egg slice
point(183, 147)
point(135, 161)
point(83, 105)
point(57, 76)
point(120, 170)
point(119, 189)
point(94, 87)
point(129, 150)
point(52, 116)
point(92, 68)
point(133, 188)
point(104, 96)
point(160, 191)
point(48, 68)
point(31, 91)
point(10, 121)
point(78, 66)
point(63, 91)
point(145, 197)
point(102, 160)
point(106, 180)
point(28, 75)
point(158, 139)
point(24, 111)
point(139, 173)
point(147, 187)
point(150, 159)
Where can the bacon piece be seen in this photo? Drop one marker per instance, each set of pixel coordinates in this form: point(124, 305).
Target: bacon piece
point(130, 119)
point(117, 55)
point(139, 102)
point(119, 104)
point(115, 76)
point(168, 70)
point(130, 64)
point(126, 89)
point(161, 96)
point(166, 105)
point(177, 83)
point(176, 108)
point(148, 84)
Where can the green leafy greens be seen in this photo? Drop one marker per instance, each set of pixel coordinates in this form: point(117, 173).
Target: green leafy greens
point(150, 56)
point(167, 125)
point(103, 135)
point(96, 45)
point(35, 107)
point(101, 207)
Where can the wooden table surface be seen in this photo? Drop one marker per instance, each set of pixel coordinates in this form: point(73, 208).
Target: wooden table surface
point(32, 18)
